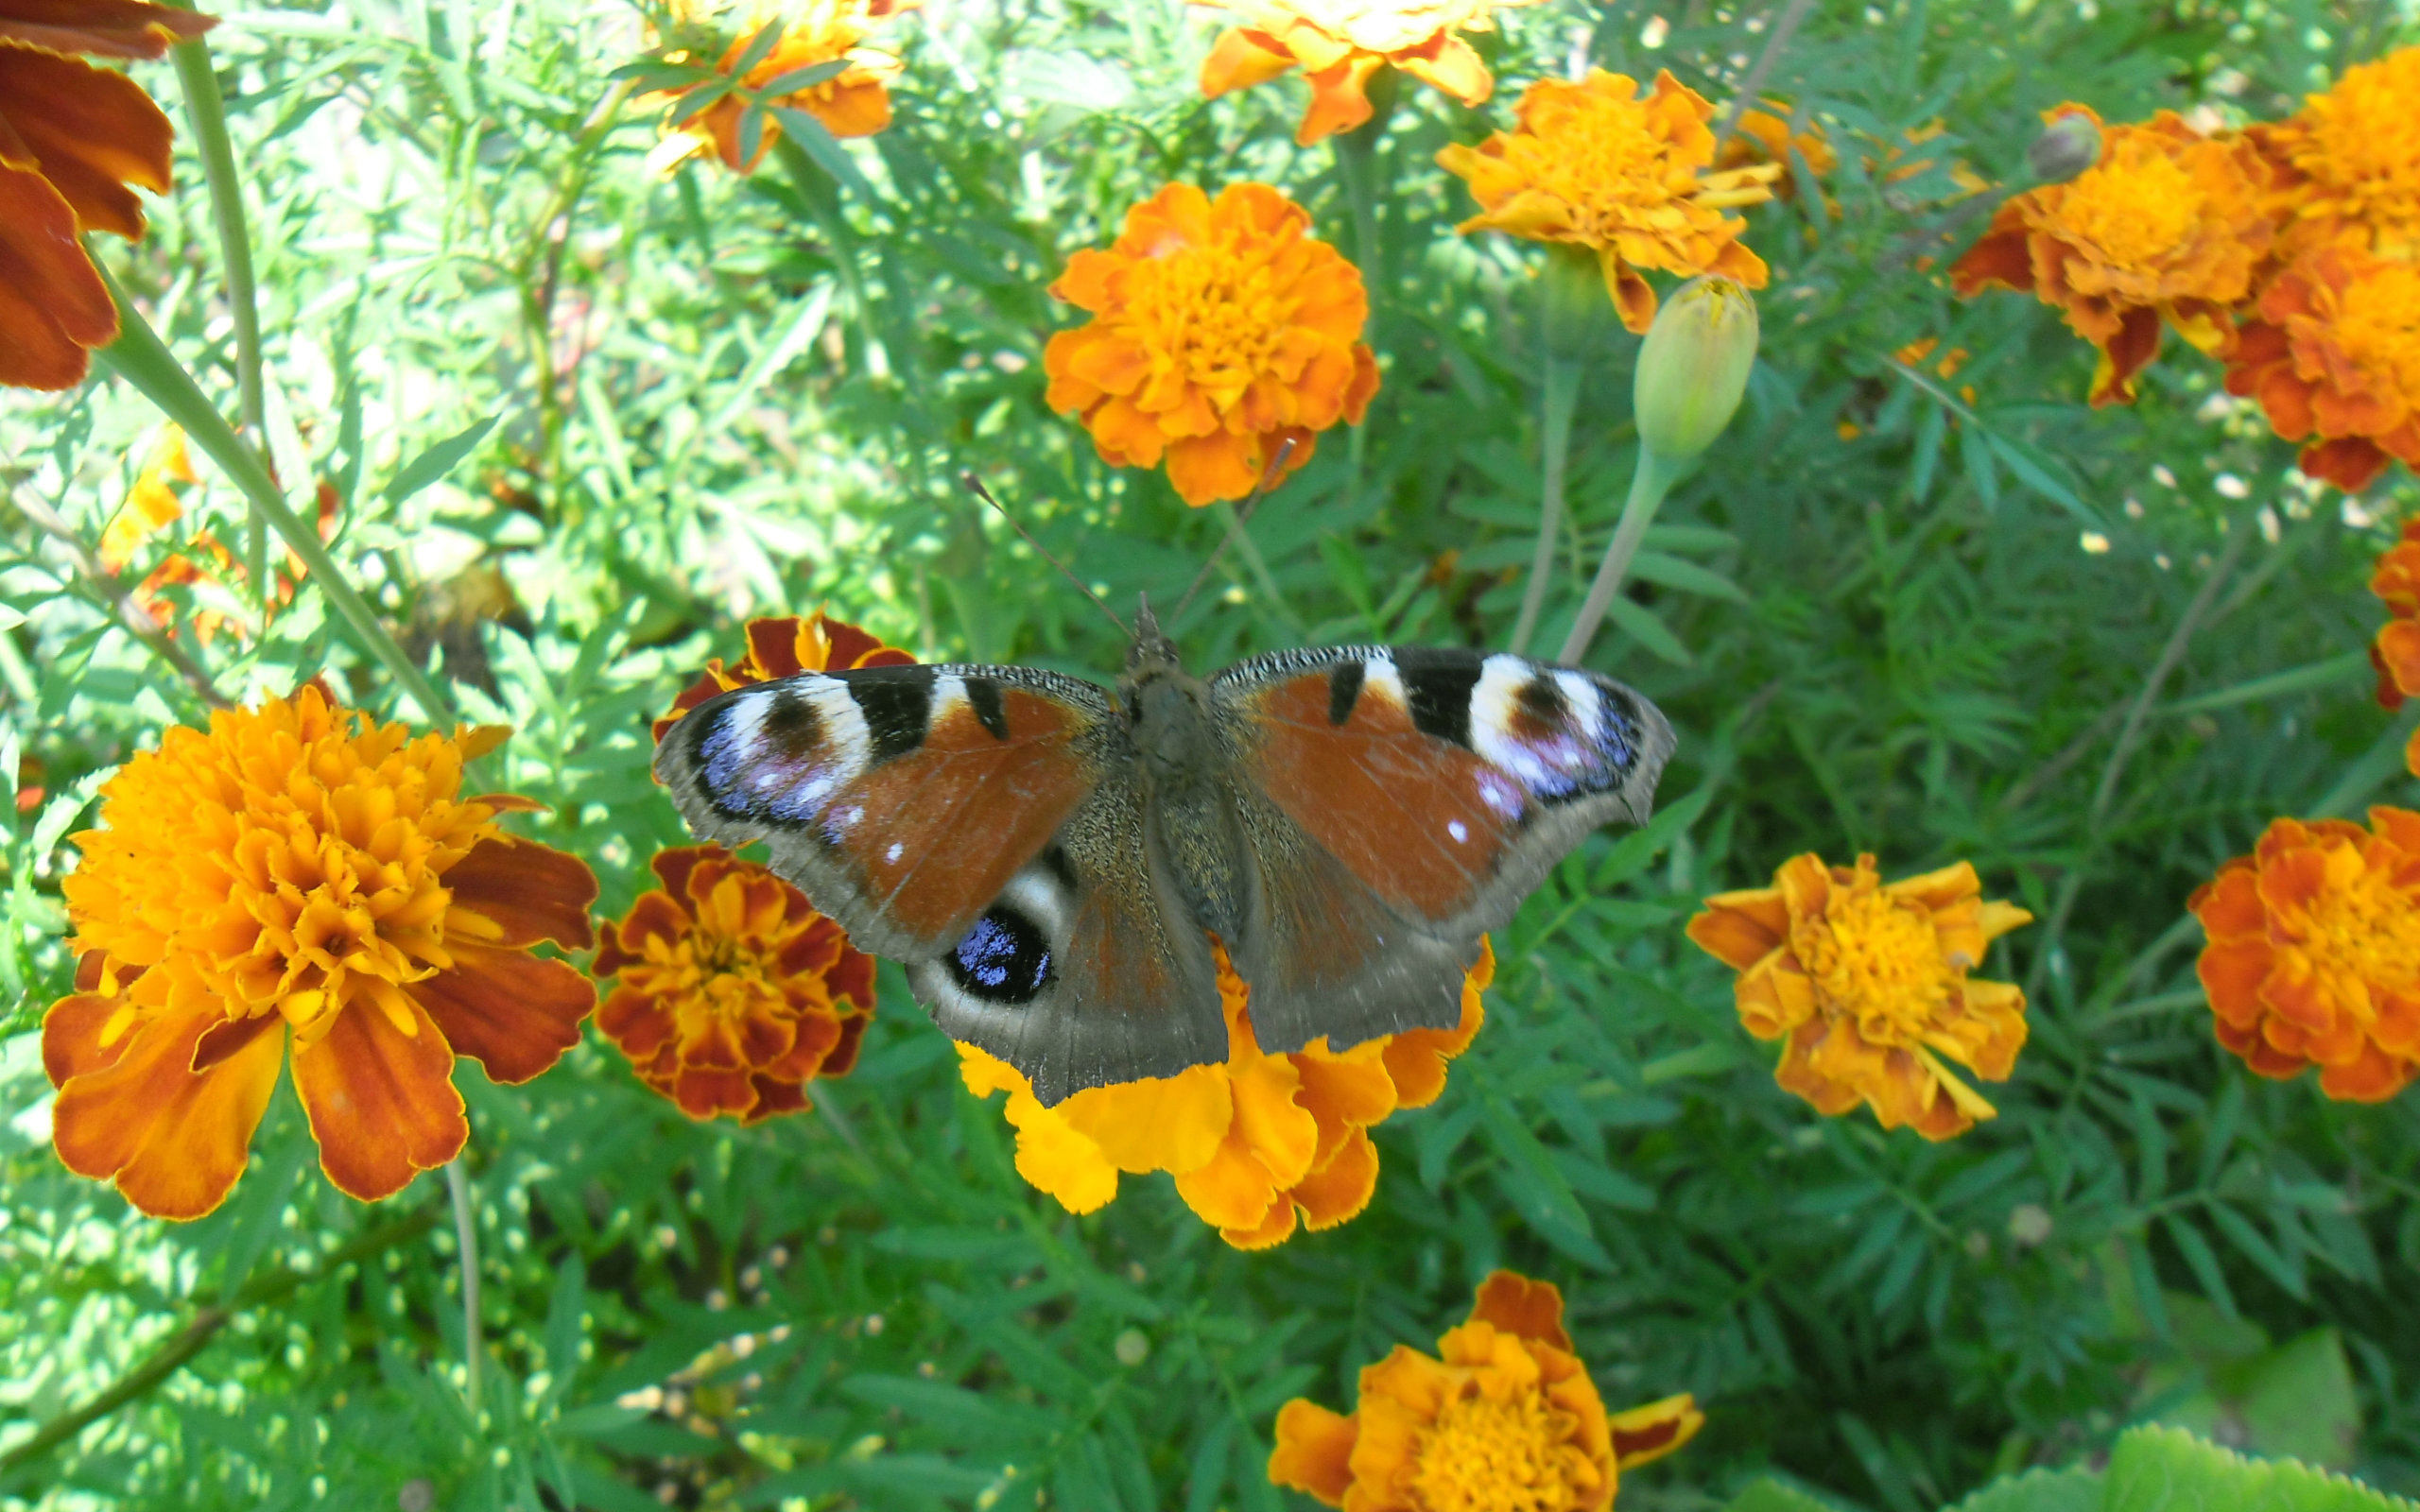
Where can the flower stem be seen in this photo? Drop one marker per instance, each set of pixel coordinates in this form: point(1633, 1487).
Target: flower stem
point(141, 358)
point(823, 200)
point(1652, 479)
point(208, 111)
point(1561, 398)
point(466, 1244)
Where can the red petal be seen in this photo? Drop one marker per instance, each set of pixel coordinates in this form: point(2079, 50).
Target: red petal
point(382, 1103)
point(510, 1011)
point(1517, 1305)
point(532, 891)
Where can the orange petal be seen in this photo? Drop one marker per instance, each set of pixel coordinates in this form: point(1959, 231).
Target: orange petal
point(1338, 1192)
point(1651, 1432)
point(1741, 937)
point(1239, 60)
point(92, 131)
point(1340, 100)
point(1274, 1229)
point(71, 1036)
point(1232, 1190)
point(510, 1011)
point(1517, 1305)
point(106, 29)
point(1452, 65)
point(382, 1104)
point(53, 305)
point(531, 891)
point(174, 1139)
point(1206, 469)
point(1314, 1451)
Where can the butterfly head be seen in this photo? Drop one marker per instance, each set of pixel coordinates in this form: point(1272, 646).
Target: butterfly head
point(1150, 649)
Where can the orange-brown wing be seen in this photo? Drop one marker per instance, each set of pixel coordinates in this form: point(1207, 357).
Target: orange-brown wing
point(1400, 804)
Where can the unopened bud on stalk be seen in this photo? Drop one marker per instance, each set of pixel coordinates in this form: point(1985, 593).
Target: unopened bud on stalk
point(2066, 146)
point(1693, 368)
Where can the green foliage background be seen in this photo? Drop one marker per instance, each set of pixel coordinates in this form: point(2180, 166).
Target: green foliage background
point(718, 396)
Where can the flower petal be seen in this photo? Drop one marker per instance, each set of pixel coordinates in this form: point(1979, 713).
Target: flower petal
point(173, 1139)
point(530, 891)
point(511, 1012)
point(1314, 1451)
point(381, 1103)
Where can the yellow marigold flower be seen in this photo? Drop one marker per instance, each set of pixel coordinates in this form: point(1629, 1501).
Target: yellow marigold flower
point(1763, 135)
point(734, 991)
point(299, 876)
point(2333, 354)
point(1252, 1141)
point(1869, 983)
point(2169, 226)
point(1340, 44)
point(1503, 1418)
point(784, 648)
point(2314, 952)
point(150, 504)
point(855, 103)
point(1220, 330)
point(1596, 164)
point(2352, 160)
point(75, 141)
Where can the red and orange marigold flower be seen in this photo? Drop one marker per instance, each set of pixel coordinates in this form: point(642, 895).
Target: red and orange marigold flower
point(74, 142)
point(1340, 43)
point(2314, 952)
point(1256, 1144)
point(1503, 1418)
point(733, 991)
point(1599, 166)
point(300, 878)
point(856, 102)
point(2169, 227)
point(2396, 650)
point(1869, 983)
point(1220, 330)
point(784, 648)
point(2349, 161)
point(2333, 357)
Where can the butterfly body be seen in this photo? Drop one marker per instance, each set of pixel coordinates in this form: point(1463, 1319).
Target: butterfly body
point(1050, 858)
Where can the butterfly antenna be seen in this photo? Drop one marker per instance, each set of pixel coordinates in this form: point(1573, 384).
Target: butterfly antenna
point(1268, 477)
point(975, 485)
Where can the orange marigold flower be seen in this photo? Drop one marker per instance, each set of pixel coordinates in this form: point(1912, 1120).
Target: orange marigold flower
point(734, 992)
point(1596, 164)
point(1869, 983)
point(73, 138)
point(2351, 161)
point(856, 102)
point(299, 876)
point(1252, 1141)
point(2395, 651)
point(1503, 1417)
point(1220, 330)
point(152, 505)
point(1340, 43)
point(2314, 952)
point(2334, 354)
point(2168, 225)
point(1763, 135)
point(784, 648)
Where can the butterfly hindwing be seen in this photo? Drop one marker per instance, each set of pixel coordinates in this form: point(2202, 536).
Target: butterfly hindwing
point(1437, 788)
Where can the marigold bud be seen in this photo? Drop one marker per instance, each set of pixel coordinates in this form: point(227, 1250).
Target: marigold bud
point(2066, 146)
point(1693, 367)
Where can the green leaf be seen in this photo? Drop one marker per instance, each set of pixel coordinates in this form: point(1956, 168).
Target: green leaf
point(1770, 1495)
point(437, 461)
point(2167, 1469)
point(1640, 624)
point(2076, 1490)
point(2337, 671)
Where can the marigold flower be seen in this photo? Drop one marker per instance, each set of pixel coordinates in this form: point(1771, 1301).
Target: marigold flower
point(1503, 1419)
point(152, 506)
point(1764, 136)
point(1596, 164)
point(1220, 330)
point(1869, 983)
point(1340, 43)
point(2314, 952)
point(2334, 354)
point(734, 992)
point(299, 875)
point(2168, 225)
point(2351, 161)
point(73, 138)
point(784, 648)
point(2395, 651)
point(1252, 1141)
point(854, 103)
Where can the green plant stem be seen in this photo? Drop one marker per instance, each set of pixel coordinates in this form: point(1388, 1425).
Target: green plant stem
point(1561, 397)
point(141, 358)
point(466, 1244)
point(208, 111)
point(1649, 483)
point(191, 1339)
point(538, 289)
point(823, 200)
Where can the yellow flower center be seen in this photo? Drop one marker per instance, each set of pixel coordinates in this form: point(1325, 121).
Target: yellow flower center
point(1488, 1455)
point(2135, 209)
point(2367, 926)
point(2378, 325)
point(2364, 137)
point(1598, 154)
point(289, 860)
point(1215, 315)
point(1877, 958)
